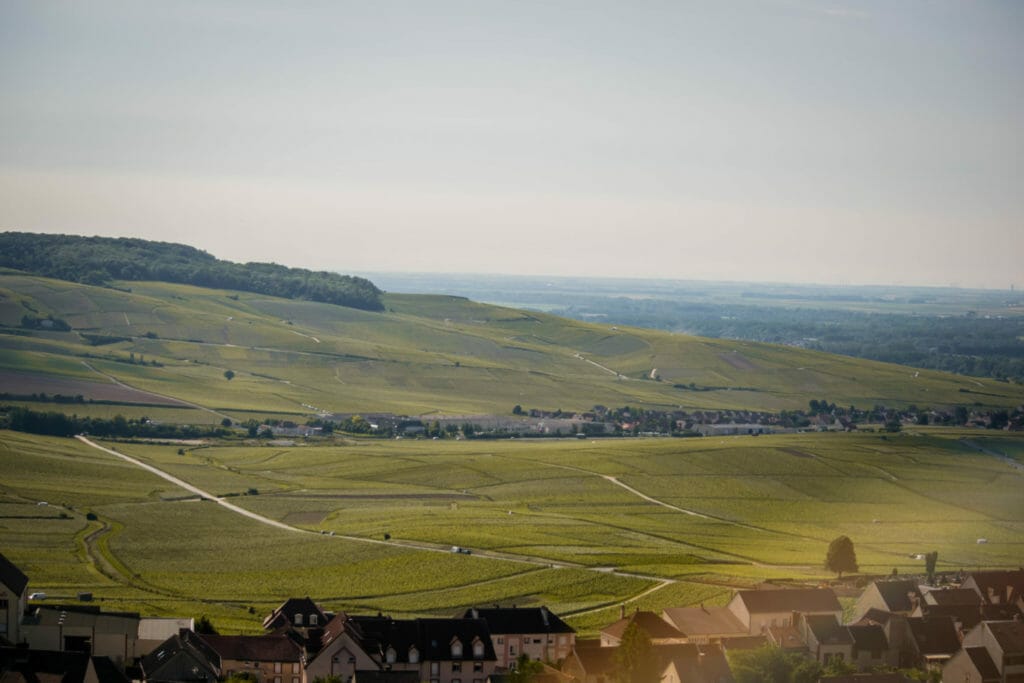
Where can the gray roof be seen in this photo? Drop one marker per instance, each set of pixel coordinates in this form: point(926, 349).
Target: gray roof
point(519, 620)
point(791, 600)
point(12, 577)
point(704, 620)
point(899, 596)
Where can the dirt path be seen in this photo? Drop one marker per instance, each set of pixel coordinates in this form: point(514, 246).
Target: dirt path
point(618, 375)
point(411, 545)
point(119, 383)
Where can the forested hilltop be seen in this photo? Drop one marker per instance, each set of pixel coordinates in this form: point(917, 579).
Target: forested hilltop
point(99, 260)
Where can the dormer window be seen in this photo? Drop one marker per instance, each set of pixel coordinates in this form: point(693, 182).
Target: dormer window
point(456, 648)
point(478, 648)
point(390, 656)
point(312, 620)
point(298, 620)
point(414, 655)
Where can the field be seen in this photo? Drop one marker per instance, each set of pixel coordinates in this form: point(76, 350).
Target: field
point(580, 526)
point(425, 355)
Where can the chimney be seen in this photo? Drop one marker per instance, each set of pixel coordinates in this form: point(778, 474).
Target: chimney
point(544, 616)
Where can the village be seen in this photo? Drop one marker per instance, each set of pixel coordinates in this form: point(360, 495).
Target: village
point(967, 630)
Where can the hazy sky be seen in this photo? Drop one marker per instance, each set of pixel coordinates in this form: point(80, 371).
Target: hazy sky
point(784, 140)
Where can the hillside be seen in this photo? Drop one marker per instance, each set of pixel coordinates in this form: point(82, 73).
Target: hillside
point(101, 260)
point(421, 355)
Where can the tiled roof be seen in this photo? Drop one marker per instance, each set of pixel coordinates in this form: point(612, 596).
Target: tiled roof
point(187, 642)
point(12, 577)
point(704, 620)
point(869, 637)
point(791, 600)
point(1009, 635)
point(650, 623)
point(432, 638)
point(255, 648)
point(827, 630)
point(934, 635)
point(982, 661)
point(897, 594)
point(954, 596)
point(519, 620)
point(285, 614)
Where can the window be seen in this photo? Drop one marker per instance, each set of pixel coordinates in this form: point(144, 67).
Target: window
point(512, 650)
point(277, 667)
point(456, 648)
point(435, 668)
point(3, 603)
point(478, 649)
point(478, 666)
point(298, 620)
point(536, 641)
point(295, 679)
point(295, 668)
point(390, 655)
point(414, 655)
point(277, 679)
point(312, 620)
point(456, 666)
point(456, 680)
point(501, 641)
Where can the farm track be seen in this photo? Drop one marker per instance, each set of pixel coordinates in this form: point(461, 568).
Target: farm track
point(119, 383)
point(409, 545)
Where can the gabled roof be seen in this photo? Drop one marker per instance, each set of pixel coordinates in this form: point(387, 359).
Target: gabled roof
point(506, 620)
point(12, 577)
point(706, 664)
point(934, 635)
point(807, 600)
point(876, 616)
point(997, 585)
point(1009, 635)
point(983, 663)
point(650, 623)
point(827, 630)
point(968, 616)
point(107, 671)
point(953, 596)
point(184, 644)
point(18, 665)
point(285, 614)
point(432, 638)
point(899, 596)
point(594, 659)
point(869, 637)
point(272, 648)
point(704, 620)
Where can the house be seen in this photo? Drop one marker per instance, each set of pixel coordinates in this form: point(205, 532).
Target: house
point(759, 610)
point(437, 650)
point(895, 597)
point(657, 629)
point(992, 652)
point(999, 587)
point(705, 624)
point(13, 600)
point(182, 658)
point(871, 648)
point(697, 664)
point(301, 613)
point(589, 662)
point(271, 658)
point(20, 665)
point(533, 631)
point(927, 642)
point(83, 628)
point(826, 639)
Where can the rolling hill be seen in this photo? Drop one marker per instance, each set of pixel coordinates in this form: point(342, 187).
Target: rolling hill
point(420, 355)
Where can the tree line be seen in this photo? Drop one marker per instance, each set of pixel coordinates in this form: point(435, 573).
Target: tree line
point(52, 423)
point(100, 260)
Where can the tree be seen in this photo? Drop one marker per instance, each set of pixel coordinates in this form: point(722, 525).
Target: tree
point(841, 556)
point(772, 665)
point(524, 669)
point(226, 422)
point(930, 560)
point(633, 660)
point(205, 626)
point(230, 374)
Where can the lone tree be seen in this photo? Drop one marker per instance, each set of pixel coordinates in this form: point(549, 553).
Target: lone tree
point(841, 556)
point(229, 374)
point(930, 560)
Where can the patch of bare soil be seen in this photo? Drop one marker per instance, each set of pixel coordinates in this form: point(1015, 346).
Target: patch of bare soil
point(27, 383)
point(737, 361)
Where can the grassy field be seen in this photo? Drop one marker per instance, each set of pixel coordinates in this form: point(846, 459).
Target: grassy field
point(423, 355)
point(547, 521)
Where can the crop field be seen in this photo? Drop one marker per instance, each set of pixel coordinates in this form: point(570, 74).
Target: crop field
point(582, 526)
point(423, 355)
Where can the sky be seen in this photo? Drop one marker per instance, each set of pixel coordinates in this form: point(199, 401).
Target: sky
point(831, 141)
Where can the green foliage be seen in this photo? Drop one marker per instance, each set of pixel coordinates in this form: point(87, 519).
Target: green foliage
point(841, 556)
point(930, 560)
point(204, 626)
point(229, 375)
point(769, 664)
point(98, 260)
point(633, 660)
point(52, 423)
point(524, 669)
